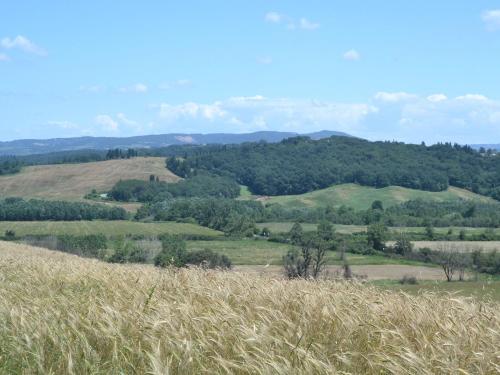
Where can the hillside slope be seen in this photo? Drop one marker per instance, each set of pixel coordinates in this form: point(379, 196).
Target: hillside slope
point(63, 314)
point(361, 197)
point(73, 181)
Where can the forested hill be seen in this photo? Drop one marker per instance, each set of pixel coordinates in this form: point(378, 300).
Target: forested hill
point(298, 165)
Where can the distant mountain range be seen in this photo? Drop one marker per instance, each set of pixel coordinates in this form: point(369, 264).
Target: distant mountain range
point(39, 146)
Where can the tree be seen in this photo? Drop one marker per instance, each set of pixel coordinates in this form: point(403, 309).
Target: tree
point(429, 231)
point(448, 259)
point(296, 234)
point(173, 252)
point(403, 245)
point(377, 235)
point(377, 205)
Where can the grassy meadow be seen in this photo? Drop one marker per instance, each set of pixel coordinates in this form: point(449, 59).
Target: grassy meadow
point(109, 228)
point(61, 314)
point(362, 197)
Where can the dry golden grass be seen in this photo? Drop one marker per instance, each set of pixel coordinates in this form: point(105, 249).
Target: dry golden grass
point(60, 314)
point(73, 181)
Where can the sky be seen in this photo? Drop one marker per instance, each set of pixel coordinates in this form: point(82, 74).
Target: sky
point(382, 70)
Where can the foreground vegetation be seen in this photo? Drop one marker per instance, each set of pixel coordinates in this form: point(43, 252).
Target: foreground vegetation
point(62, 314)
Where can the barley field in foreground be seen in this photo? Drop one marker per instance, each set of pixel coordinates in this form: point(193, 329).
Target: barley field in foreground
point(60, 314)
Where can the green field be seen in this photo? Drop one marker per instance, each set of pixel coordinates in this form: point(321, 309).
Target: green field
point(262, 252)
point(361, 197)
point(109, 228)
point(283, 227)
point(482, 289)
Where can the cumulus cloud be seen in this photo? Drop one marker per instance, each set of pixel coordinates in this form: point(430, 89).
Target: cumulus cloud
point(136, 88)
point(492, 19)
point(107, 123)
point(351, 55)
point(478, 97)
point(436, 98)
point(305, 24)
point(250, 113)
point(22, 43)
point(393, 97)
point(125, 120)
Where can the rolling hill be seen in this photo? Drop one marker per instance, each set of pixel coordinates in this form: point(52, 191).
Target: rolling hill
point(361, 197)
point(74, 181)
point(39, 146)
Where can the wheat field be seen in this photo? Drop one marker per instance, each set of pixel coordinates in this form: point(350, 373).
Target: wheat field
point(60, 314)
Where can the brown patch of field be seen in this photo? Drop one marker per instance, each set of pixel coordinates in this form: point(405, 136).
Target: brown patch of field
point(370, 272)
point(73, 181)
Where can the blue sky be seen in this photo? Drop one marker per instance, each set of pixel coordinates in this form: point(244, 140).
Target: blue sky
point(410, 71)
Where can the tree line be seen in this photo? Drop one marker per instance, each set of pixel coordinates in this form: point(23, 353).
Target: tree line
point(17, 209)
point(299, 165)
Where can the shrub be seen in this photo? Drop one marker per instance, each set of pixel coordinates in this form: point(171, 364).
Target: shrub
point(408, 279)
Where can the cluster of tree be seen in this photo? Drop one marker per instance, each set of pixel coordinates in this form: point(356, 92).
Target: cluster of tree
point(299, 165)
point(175, 254)
point(10, 165)
point(230, 216)
point(89, 246)
point(18, 209)
point(415, 213)
point(118, 153)
point(202, 185)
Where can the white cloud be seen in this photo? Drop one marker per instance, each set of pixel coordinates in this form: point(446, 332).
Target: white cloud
point(4, 57)
point(137, 88)
point(22, 43)
point(492, 19)
point(351, 55)
point(274, 17)
point(305, 24)
point(478, 97)
point(250, 113)
point(393, 97)
point(436, 98)
point(264, 60)
point(107, 123)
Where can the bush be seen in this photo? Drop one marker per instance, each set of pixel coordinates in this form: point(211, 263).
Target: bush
point(173, 253)
point(408, 279)
point(10, 235)
point(208, 259)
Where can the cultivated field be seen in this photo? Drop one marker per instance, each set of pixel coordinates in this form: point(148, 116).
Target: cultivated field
point(109, 228)
point(283, 227)
point(61, 314)
point(361, 197)
point(462, 246)
point(74, 181)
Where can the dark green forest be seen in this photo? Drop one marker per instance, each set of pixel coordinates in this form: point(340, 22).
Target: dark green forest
point(201, 185)
point(17, 209)
point(299, 165)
